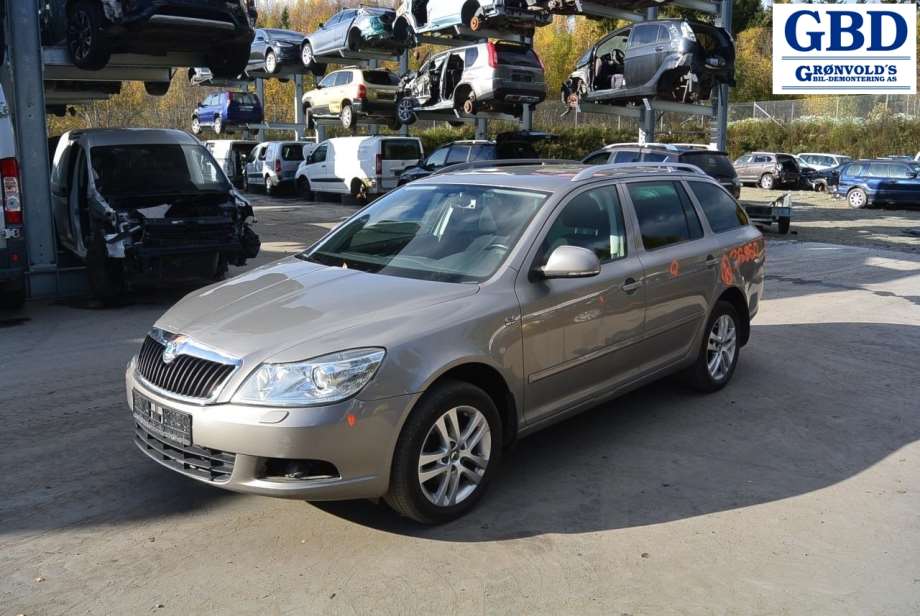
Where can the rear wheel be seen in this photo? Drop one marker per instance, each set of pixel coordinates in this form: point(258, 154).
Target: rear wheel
point(767, 181)
point(229, 63)
point(196, 125)
point(354, 40)
point(857, 198)
point(218, 124)
point(347, 116)
point(13, 295)
point(446, 454)
point(718, 354)
point(87, 41)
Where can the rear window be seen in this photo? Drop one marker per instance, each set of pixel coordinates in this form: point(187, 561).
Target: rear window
point(401, 149)
point(292, 151)
point(712, 163)
point(245, 98)
point(381, 78)
point(517, 55)
point(722, 212)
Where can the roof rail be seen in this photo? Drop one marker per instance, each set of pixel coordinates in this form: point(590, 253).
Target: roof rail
point(511, 162)
point(595, 170)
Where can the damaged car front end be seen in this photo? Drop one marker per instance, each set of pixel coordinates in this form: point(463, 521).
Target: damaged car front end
point(148, 206)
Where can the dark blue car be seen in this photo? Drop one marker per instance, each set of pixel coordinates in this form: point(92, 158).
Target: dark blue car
point(869, 183)
point(226, 109)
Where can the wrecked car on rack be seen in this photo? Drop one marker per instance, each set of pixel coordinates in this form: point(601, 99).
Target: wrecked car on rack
point(147, 204)
point(670, 59)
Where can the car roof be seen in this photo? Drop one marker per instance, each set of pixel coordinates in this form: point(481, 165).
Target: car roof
point(128, 136)
point(361, 138)
point(552, 177)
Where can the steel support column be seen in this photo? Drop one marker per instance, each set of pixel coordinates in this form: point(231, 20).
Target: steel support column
point(260, 92)
point(299, 134)
point(720, 139)
point(32, 145)
point(647, 116)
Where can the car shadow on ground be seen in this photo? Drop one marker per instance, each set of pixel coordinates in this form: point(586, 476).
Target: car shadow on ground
point(783, 428)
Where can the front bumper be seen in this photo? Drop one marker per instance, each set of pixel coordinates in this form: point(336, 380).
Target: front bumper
point(251, 436)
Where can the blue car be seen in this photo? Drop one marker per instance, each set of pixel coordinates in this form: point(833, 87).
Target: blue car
point(869, 183)
point(227, 109)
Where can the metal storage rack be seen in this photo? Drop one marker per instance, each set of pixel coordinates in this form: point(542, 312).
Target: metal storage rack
point(34, 78)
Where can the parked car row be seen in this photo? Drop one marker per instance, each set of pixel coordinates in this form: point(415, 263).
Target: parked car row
point(768, 170)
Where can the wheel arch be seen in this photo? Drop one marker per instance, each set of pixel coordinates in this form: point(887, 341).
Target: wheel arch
point(493, 383)
point(735, 297)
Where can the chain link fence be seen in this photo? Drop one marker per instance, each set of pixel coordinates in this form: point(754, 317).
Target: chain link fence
point(840, 108)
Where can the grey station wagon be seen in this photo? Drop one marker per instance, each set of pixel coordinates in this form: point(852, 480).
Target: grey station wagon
point(400, 354)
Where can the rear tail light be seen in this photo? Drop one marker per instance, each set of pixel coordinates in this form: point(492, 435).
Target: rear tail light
point(362, 92)
point(12, 207)
point(493, 54)
point(278, 166)
point(379, 165)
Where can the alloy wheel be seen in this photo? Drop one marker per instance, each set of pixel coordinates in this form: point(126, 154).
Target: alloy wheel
point(306, 55)
point(405, 110)
point(857, 199)
point(722, 346)
point(271, 62)
point(454, 456)
point(347, 118)
point(82, 39)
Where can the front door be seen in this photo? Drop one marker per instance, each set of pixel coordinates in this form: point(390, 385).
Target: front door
point(578, 333)
point(680, 267)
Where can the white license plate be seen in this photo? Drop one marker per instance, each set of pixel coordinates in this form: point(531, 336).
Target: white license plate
point(163, 421)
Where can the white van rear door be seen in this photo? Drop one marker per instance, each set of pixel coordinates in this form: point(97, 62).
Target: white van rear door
point(396, 155)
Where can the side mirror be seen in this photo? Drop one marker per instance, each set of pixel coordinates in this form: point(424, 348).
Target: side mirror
point(571, 262)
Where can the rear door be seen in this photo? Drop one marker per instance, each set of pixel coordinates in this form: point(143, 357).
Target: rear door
point(579, 333)
point(291, 155)
point(906, 183)
point(680, 268)
point(396, 155)
point(641, 55)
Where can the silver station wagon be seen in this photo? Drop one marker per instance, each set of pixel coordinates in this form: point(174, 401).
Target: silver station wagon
point(399, 355)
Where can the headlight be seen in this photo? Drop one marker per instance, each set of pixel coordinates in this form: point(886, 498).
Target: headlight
point(324, 380)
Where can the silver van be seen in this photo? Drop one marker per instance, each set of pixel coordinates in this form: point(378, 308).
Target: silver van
point(273, 164)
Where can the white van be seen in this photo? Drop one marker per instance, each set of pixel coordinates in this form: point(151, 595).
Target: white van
point(12, 240)
point(231, 155)
point(359, 167)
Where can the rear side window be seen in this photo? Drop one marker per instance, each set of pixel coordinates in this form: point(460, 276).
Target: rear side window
point(664, 35)
point(720, 209)
point(470, 56)
point(853, 170)
point(643, 35)
point(654, 157)
point(714, 164)
point(665, 214)
point(401, 149)
point(458, 154)
point(245, 98)
point(626, 156)
point(899, 171)
point(878, 170)
point(292, 151)
point(597, 159)
point(485, 152)
point(517, 55)
point(381, 78)
point(343, 78)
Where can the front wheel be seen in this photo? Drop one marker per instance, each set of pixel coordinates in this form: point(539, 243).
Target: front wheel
point(767, 181)
point(718, 354)
point(303, 189)
point(857, 199)
point(446, 454)
point(306, 56)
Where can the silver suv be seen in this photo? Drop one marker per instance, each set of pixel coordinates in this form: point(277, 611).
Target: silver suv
point(499, 76)
point(400, 355)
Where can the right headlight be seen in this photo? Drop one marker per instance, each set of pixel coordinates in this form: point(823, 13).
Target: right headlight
point(323, 380)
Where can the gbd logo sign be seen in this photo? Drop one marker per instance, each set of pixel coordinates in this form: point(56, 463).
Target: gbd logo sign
point(844, 49)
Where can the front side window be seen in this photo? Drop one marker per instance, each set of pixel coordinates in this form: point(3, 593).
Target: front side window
point(600, 158)
point(437, 158)
point(744, 160)
point(155, 168)
point(328, 80)
point(458, 154)
point(441, 232)
point(593, 220)
point(722, 212)
point(665, 214)
point(318, 155)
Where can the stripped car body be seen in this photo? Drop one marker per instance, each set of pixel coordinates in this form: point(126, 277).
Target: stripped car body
point(576, 7)
point(350, 31)
point(670, 59)
point(154, 203)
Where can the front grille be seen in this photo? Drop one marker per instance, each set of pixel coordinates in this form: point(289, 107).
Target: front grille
point(210, 464)
point(188, 376)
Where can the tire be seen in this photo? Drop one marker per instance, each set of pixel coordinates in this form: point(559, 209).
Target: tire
point(303, 189)
point(230, 64)
point(306, 56)
point(767, 181)
point(106, 275)
point(404, 33)
point(271, 62)
point(87, 41)
point(218, 125)
point(784, 223)
point(354, 40)
point(430, 428)
point(467, 105)
point(157, 88)
point(857, 198)
point(13, 295)
point(405, 111)
point(700, 375)
point(347, 116)
point(245, 181)
point(359, 192)
point(270, 190)
point(196, 125)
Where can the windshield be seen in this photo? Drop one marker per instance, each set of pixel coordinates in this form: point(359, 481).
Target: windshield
point(152, 169)
point(446, 233)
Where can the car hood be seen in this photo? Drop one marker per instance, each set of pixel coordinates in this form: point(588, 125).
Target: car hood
point(292, 302)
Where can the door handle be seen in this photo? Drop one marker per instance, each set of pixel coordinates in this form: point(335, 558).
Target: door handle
point(630, 285)
point(659, 48)
point(711, 261)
